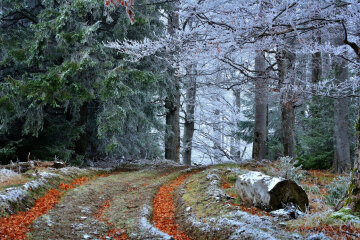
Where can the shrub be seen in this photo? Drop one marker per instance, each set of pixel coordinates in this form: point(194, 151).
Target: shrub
point(288, 168)
point(316, 160)
point(314, 189)
point(336, 190)
point(232, 178)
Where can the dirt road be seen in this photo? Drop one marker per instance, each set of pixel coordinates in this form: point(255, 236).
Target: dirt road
point(117, 206)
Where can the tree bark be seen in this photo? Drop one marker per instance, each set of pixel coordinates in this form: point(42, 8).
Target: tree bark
point(82, 143)
point(342, 161)
point(316, 69)
point(285, 62)
point(261, 101)
point(172, 104)
point(189, 115)
point(352, 197)
point(172, 137)
point(235, 141)
point(217, 143)
point(288, 128)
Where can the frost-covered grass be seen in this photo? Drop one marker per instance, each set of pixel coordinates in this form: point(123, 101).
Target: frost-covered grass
point(204, 204)
point(7, 175)
point(34, 184)
point(210, 195)
point(211, 210)
point(10, 179)
point(130, 196)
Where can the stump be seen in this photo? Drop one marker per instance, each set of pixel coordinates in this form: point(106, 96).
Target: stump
point(270, 193)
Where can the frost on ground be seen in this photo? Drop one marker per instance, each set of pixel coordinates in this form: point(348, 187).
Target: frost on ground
point(130, 197)
point(242, 225)
point(138, 163)
point(149, 229)
point(6, 175)
point(17, 198)
point(211, 216)
point(213, 189)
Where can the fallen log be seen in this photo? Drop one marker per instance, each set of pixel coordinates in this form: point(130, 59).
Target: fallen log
point(270, 193)
point(22, 167)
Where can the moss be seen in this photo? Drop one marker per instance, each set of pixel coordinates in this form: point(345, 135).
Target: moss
point(232, 178)
point(345, 214)
point(238, 201)
point(228, 165)
point(353, 193)
point(357, 125)
point(195, 196)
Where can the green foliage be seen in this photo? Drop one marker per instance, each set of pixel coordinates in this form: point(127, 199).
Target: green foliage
point(336, 190)
point(315, 147)
point(275, 147)
point(246, 128)
point(9, 150)
point(288, 168)
point(232, 178)
point(55, 66)
point(316, 161)
point(345, 214)
point(314, 189)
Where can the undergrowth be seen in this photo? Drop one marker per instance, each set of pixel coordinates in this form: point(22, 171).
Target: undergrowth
point(337, 189)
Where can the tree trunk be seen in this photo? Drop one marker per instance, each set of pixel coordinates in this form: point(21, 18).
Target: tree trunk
point(235, 141)
point(82, 143)
point(352, 197)
point(172, 104)
point(217, 136)
point(261, 100)
point(189, 115)
point(172, 137)
point(288, 128)
point(342, 161)
point(270, 193)
point(316, 69)
point(285, 62)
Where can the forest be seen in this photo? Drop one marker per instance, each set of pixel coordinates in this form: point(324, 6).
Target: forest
point(203, 97)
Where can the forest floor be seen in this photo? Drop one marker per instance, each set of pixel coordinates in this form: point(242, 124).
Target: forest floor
point(165, 201)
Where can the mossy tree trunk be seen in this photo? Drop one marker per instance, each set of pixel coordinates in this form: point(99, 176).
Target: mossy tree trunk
point(352, 197)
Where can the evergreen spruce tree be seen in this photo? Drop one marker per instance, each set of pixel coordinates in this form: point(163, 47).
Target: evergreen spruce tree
point(315, 148)
point(61, 89)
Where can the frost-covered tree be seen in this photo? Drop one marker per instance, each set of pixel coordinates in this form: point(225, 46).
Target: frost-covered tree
point(228, 31)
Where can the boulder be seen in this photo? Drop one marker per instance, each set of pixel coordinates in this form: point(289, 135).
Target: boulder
point(270, 193)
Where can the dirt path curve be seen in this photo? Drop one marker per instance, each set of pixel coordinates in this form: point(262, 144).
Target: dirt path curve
point(164, 209)
point(119, 198)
